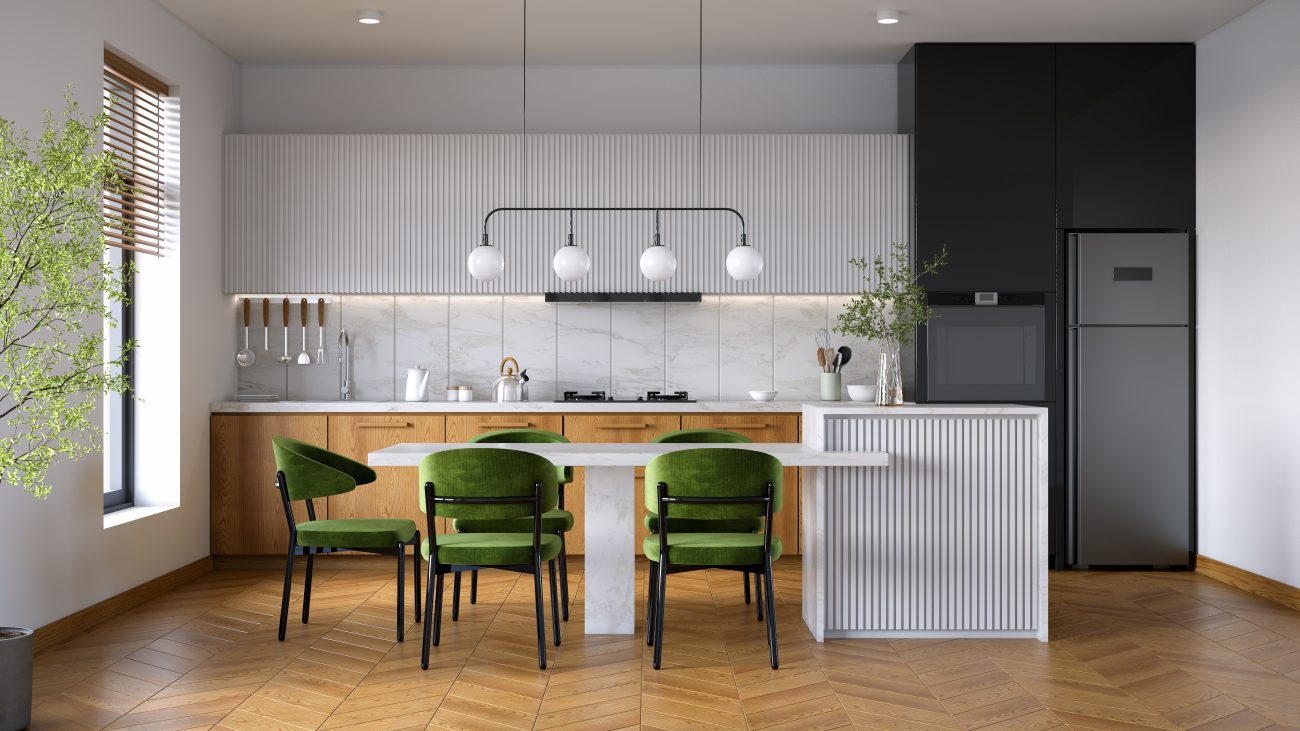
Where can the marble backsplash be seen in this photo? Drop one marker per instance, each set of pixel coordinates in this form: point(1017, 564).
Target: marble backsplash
point(718, 349)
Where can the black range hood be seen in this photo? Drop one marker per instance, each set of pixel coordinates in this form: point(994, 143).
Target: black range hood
point(622, 296)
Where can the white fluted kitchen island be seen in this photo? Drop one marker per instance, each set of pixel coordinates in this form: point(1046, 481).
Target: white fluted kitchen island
point(949, 541)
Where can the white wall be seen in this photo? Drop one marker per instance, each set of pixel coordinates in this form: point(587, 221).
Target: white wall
point(570, 99)
point(1248, 151)
point(59, 558)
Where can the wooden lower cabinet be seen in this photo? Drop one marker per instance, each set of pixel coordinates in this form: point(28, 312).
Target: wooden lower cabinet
point(248, 519)
point(765, 428)
point(463, 427)
point(396, 493)
point(247, 515)
point(612, 429)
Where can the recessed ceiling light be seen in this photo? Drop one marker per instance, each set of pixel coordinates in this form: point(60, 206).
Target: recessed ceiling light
point(369, 17)
point(886, 17)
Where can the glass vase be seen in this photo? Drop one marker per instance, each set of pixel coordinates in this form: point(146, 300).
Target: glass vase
point(889, 377)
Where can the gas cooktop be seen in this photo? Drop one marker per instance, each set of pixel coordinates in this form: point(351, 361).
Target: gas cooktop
point(680, 397)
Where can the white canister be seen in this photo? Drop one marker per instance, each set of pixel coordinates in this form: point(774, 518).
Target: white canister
point(466, 393)
point(453, 393)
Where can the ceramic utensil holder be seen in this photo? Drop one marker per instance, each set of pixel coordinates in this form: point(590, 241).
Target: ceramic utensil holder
point(830, 387)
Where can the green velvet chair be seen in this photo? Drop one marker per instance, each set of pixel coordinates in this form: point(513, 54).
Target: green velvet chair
point(490, 485)
point(717, 484)
point(692, 525)
point(306, 472)
point(558, 521)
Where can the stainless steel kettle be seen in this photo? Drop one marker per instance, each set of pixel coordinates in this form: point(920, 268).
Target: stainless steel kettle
point(509, 387)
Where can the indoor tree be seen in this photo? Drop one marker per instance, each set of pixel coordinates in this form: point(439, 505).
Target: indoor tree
point(57, 292)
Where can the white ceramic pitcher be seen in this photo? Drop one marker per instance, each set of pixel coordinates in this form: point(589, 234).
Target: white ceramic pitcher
point(417, 379)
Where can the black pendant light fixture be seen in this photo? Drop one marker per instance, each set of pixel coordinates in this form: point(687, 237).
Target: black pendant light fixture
point(658, 263)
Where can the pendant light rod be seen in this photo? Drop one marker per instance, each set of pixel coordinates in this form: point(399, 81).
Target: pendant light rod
point(656, 209)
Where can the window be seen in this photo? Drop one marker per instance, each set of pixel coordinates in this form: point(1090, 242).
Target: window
point(134, 224)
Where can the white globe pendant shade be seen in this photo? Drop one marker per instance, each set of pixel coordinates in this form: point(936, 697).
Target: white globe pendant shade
point(571, 263)
point(486, 263)
point(658, 263)
point(744, 263)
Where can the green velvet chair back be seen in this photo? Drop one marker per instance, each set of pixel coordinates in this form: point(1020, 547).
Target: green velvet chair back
point(714, 472)
point(311, 472)
point(702, 436)
point(528, 436)
point(487, 472)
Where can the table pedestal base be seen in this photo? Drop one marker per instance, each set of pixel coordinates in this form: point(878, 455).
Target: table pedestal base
point(609, 571)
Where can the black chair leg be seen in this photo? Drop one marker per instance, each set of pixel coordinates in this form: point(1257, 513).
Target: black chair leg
point(660, 585)
point(401, 593)
point(758, 591)
point(564, 578)
point(771, 614)
point(284, 597)
point(555, 605)
point(428, 626)
point(541, 620)
point(418, 558)
point(473, 587)
point(651, 596)
point(437, 611)
point(746, 575)
point(455, 598)
point(306, 586)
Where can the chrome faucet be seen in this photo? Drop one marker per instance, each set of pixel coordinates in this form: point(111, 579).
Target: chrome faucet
point(345, 366)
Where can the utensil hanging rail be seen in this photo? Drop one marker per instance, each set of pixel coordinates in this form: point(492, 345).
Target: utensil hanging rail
point(698, 209)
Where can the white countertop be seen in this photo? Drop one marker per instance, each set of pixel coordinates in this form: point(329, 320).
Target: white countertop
point(849, 408)
point(629, 455)
point(818, 408)
point(491, 407)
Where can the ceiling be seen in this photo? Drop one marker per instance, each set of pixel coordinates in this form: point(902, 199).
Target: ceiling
point(667, 31)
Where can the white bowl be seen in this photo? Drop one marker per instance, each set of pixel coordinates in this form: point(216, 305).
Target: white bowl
point(859, 392)
point(763, 395)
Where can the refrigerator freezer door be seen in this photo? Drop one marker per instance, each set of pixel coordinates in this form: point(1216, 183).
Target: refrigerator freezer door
point(1129, 279)
point(1132, 446)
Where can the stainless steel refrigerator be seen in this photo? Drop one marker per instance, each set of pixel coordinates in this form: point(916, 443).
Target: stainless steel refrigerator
point(1129, 399)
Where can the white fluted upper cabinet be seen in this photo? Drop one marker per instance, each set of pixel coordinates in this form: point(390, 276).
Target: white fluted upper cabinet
point(398, 214)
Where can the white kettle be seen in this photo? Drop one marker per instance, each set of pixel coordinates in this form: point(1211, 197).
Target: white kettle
point(417, 379)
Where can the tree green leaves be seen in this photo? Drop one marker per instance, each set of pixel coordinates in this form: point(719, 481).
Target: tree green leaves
point(892, 304)
point(56, 292)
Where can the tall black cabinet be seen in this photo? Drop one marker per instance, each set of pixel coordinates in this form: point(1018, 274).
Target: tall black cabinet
point(1126, 136)
point(1017, 145)
point(982, 118)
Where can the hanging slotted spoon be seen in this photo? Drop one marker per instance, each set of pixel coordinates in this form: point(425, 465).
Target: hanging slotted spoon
point(303, 357)
point(245, 357)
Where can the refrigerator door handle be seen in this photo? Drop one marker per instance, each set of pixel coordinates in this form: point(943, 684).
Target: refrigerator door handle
point(1072, 278)
point(1071, 437)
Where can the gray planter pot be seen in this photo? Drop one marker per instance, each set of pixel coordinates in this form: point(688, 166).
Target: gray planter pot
point(15, 678)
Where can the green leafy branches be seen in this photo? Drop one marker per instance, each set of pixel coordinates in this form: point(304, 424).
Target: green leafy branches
point(57, 292)
point(892, 304)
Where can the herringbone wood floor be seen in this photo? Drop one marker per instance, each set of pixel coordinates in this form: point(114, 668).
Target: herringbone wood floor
point(1129, 650)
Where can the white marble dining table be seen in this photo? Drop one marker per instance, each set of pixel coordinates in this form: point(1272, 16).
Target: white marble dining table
point(610, 506)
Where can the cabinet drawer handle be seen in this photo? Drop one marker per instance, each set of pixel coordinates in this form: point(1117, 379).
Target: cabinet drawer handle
point(507, 424)
point(383, 424)
point(638, 425)
point(742, 426)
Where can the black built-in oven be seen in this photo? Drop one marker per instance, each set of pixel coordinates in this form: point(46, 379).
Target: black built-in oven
point(988, 347)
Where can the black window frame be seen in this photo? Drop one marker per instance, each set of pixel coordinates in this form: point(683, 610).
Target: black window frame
point(123, 428)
